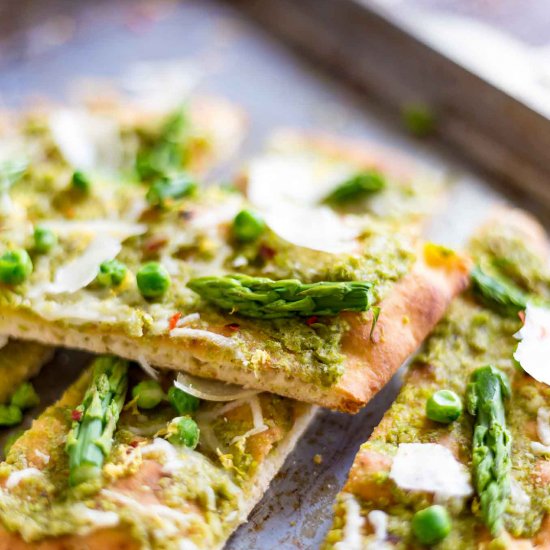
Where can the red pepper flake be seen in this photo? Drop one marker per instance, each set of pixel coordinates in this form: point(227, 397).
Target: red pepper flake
point(266, 252)
point(76, 415)
point(155, 243)
point(173, 322)
point(233, 326)
point(134, 443)
point(521, 315)
point(311, 320)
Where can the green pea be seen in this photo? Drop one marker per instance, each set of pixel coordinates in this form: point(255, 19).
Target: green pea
point(15, 267)
point(81, 182)
point(153, 280)
point(176, 187)
point(111, 273)
point(25, 396)
point(182, 401)
point(248, 226)
point(10, 415)
point(184, 431)
point(444, 406)
point(149, 394)
point(44, 239)
point(431, 525)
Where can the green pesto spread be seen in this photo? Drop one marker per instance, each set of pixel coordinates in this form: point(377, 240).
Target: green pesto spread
point(199, 495)
point(470, 336)
point(190, 237)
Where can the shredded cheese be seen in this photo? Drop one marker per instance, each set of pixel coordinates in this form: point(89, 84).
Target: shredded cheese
point(95, 518)
point(19, 475)
point(147, 368)
point(379, 522)
point(86, 141)
point(211, 390)
point(257, 420)
point(81, 271)
point(43, 456)
point(534, 348)
point(353, 539)
point(432, 468)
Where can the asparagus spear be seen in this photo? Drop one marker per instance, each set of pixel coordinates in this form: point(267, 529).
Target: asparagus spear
point(485, 395)
point(91, 435)
point(268, 299)
point(498, 293)
point(358, 186)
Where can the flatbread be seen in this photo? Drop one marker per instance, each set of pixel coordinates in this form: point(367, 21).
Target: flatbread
point(338, 362)
point(150, 482)
point(470, 336)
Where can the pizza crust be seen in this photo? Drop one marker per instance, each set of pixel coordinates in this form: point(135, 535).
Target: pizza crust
point(409, 312)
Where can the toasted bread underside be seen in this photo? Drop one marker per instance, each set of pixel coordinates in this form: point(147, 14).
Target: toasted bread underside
point(370, 465)
point(409, 312)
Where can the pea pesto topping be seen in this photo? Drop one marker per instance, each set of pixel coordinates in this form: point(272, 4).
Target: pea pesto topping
point(183, 430)
point(248, 226)
point(25, 396)
point(486, 392)
point(81, 182)
point(172, 188)
point(15, 267)
point(444, 406)
point(268, 299)
point(44, 239)
point(153, 280)
point(183, 402)
point(431, 525)
point(148, 394)
point(357, 187)
point(111, 273)
point(10, 415)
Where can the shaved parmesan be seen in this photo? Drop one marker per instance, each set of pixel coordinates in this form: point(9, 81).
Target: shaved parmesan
point(520, 499)
point(115, 228)
point(288, 189)
point(379, 522)
point(147, 368)
point(211, 390)
point(19, 475)
point(81, 271)
point(432, 468)
point(543, 430)
point(318, 229)
point(86, 141)
point(353, 539)
point(292, 180)
point(257, 420)
point(534, 349)
point(43, 456)
point(96, 518)
point(172, 461)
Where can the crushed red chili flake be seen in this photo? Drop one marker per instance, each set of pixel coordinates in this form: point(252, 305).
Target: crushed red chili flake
point(134, 443)
point(173, 322)
point(521, 315)
point(155, 243)
point(233, 326)
point(311, 320)
point(266, 252)
point(76, 415)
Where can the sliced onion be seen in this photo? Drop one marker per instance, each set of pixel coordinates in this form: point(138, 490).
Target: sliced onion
point(211, 390)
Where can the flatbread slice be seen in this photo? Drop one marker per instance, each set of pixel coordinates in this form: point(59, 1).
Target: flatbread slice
point(151, 493)
point(411, 462)
point(337, 361)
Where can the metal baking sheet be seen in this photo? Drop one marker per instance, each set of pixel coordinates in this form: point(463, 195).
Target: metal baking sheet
point(67, 40)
